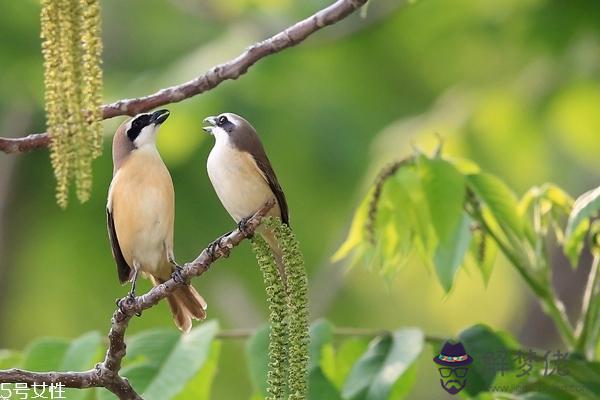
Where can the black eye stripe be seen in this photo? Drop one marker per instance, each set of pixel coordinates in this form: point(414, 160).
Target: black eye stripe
point(137, 125)
point(222, 120)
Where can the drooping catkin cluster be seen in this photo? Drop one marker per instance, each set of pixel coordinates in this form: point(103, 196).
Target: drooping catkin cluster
point(294, 359)
point(72, 48)
point(278, 336)
point(297, 306)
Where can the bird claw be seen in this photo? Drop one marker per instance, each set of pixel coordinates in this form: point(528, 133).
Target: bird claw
point(125, 302)
point(242, 226)
point(177, 275)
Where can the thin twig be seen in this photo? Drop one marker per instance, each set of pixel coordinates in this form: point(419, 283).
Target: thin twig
point(232, 69)
point(106, 373)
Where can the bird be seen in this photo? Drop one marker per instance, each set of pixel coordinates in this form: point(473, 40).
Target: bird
point(242, 175)
point(140, 215)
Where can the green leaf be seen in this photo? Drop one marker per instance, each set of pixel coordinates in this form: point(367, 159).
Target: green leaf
point(450, 253)
point(405, 197)
point(386, 360)
point(357, 229)
point(580, 381)
point(187, 357)
point(146, 351)
point(81, 355)
point(500, 200)
point(553, 194)
point(257, 356)
point(585, 207)
point(575, 241)
point(321, 333)
point(480, 342)
point(82, 352)
point(321, 388)
point(444, 189)
point(153, 345)
point(483, 252)
point(45, 354)
point(198, 388)
point(337, 364)
point(403, 386)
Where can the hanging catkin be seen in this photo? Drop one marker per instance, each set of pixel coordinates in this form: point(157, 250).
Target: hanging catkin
point(72, 47)
point(297, 309)
point(278, 334)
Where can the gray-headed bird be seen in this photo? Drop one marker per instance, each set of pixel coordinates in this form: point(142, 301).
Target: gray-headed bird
point(242, 175)
point(140, 215)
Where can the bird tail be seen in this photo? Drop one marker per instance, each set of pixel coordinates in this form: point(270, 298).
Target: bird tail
point(186, 304)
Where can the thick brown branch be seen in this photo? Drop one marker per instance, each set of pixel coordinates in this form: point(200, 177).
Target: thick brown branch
point(222, 72)
point(106, 373)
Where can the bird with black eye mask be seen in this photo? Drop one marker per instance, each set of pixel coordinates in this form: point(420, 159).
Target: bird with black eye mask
point(242, 175)
point(140, 215)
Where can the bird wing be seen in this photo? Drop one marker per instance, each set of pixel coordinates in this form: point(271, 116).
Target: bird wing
point(264, 165)
point(123, 269)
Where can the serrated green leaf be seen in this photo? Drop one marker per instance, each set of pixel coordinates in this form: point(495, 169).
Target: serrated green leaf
point(444, 189)
point(386, 360)
point(450, 253)
point(500, 200)
point(257, 357)
point(405, 192)
point(189, 355)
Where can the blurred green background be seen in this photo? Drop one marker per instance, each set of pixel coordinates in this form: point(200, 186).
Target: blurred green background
point(512, 84)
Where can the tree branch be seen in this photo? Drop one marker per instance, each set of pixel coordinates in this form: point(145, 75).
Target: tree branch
point(232, 69)
point(106, 373)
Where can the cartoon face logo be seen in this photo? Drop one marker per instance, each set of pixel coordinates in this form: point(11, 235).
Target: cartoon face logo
point(453, 363)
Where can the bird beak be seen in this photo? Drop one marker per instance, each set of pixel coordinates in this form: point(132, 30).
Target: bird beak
point(160, 116)
point(212, 121)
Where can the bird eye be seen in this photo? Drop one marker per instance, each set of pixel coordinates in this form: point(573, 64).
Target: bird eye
point(222, 120)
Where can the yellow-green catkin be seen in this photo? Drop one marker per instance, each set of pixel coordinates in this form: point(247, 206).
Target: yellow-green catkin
point(72, 47)
point(278, 335)
point(297, 310)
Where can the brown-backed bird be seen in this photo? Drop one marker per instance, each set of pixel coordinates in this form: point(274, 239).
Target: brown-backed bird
point(242, 175)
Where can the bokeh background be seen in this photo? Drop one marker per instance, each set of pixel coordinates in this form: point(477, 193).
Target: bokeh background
point(512, 84)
